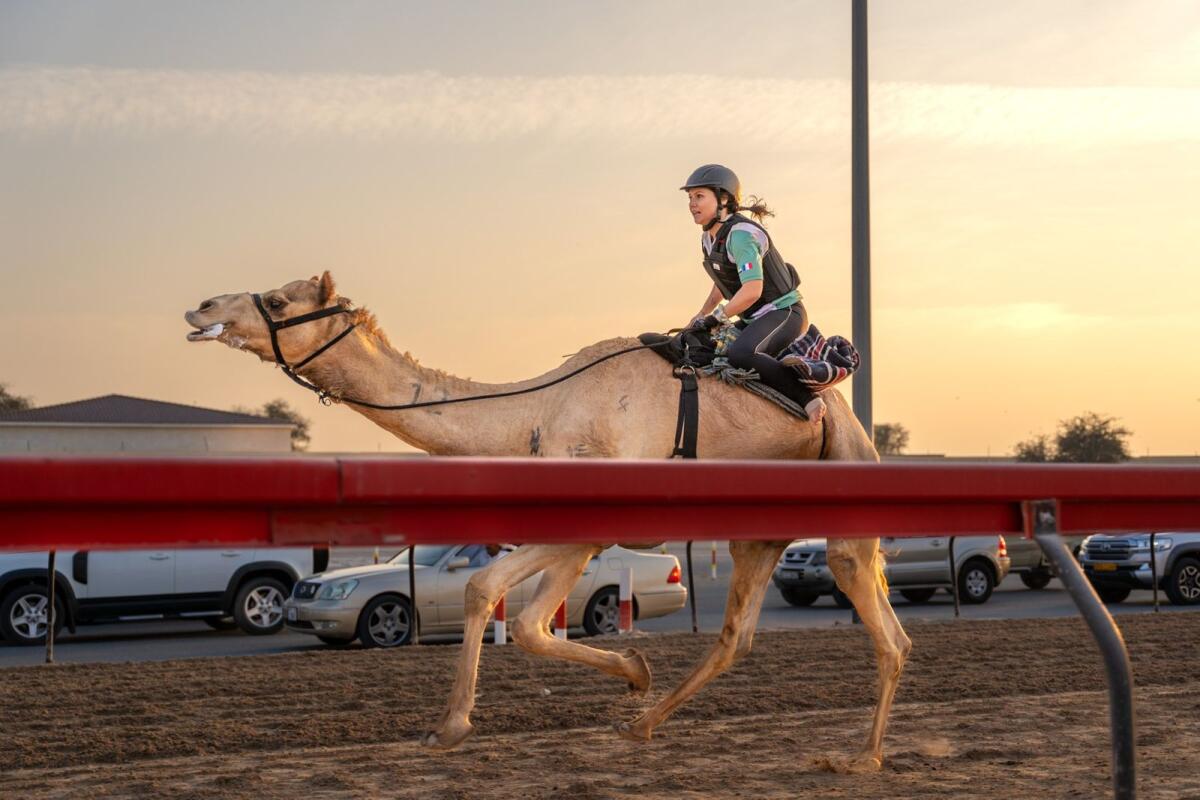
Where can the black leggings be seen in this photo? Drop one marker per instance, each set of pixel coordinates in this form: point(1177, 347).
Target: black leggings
point(761, 341)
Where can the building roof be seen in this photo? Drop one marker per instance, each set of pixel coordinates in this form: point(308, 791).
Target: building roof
point(119, 409)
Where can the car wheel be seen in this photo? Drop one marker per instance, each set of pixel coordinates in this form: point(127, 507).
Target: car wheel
point(917, 595)
point(258, 607)
point(841, 599)
point(975, 582)
point(221, 623)
point(334, 642)
point(386, 622)
point(24, 618)
point(798, 597)
point(1112, 594)
point(1036, 578)
point(603, 612)
point(1183, 586)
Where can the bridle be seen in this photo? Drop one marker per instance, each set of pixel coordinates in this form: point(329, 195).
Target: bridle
point(274, 327)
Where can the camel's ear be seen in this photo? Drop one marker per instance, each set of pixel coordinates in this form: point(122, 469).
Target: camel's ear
point(327, 290)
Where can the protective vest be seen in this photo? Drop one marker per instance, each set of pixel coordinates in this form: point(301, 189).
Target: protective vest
point(779, 277)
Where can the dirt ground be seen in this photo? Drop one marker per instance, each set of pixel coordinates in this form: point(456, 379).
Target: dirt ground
point(997, 709)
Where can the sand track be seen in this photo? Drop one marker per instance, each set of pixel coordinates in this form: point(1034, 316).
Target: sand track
point(1014, 706)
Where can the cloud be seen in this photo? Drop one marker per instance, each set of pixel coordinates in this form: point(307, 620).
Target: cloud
point(783, 114)
point(1028, 317)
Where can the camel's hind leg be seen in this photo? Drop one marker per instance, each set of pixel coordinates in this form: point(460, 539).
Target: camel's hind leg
point(530, 627)
point(483, 591)
point(858, 569)
point(752, 565)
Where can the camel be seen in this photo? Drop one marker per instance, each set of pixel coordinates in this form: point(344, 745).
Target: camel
point(623, 408)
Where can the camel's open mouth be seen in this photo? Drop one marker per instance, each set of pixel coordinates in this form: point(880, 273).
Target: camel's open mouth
point(211, 332)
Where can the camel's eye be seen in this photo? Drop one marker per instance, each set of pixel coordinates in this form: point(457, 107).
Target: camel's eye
point(275, 303)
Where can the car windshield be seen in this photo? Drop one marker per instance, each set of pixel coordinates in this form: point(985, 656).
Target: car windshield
point(426, 555)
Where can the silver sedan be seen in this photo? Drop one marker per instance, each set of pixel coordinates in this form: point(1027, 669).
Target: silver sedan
point(372, 604)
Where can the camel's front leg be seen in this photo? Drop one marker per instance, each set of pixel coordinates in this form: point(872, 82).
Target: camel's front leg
point(530, 627)
point(858, 569)
point(484, 590)
point(752, 565)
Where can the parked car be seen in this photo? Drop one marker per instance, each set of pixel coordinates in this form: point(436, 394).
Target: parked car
point(916, 567)
point(1031, 563)
point(1116, 564)
point(372, 604)
point(226, 587)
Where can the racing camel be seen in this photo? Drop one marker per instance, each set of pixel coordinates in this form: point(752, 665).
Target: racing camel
point(622, 408)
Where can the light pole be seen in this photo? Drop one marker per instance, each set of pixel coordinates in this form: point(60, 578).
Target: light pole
point(860, 217)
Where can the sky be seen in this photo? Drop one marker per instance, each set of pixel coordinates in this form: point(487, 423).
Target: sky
point(498, 183)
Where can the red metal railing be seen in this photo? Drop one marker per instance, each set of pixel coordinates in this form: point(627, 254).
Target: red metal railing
point(48, 503)
point(138, 502)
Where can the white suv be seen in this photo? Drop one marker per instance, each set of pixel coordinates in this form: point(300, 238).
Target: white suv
point(226, 587)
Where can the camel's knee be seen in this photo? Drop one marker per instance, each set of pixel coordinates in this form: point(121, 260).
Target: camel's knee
point(479, 598)
point(891, 663)
point(528, 634)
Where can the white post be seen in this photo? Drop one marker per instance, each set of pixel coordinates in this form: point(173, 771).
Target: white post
point(625, 596)
point(500, 628)
point(560, 620)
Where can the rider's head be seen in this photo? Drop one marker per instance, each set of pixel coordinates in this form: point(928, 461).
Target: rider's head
point(712, 189)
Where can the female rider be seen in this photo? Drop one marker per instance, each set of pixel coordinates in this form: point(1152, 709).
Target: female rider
point(752, 277)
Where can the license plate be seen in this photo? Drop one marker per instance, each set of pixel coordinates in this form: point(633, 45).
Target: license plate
point(793, 574)
point(291, 615)
point(1105, 567)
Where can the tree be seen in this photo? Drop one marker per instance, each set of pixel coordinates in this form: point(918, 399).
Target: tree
point(279, 409)
point(1037, 449)
point(12, 402)
point(1088, 438)
point(890, 438)
point(1091, 438)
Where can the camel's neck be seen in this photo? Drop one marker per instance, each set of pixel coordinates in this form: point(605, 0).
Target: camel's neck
point(364, 367)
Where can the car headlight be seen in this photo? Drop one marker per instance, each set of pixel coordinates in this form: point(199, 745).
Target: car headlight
point(337, 591)
point(1141, 544)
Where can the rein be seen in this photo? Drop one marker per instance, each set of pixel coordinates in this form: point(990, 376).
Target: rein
point(685, 435)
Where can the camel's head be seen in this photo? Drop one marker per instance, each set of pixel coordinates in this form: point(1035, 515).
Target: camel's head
point(235, 319)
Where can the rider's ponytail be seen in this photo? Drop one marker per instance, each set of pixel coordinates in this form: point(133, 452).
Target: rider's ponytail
point(758, 208)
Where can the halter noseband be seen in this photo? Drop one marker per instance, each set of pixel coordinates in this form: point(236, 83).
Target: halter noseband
point(274, 327)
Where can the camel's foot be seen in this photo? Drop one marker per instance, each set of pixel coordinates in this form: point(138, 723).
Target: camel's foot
point(637, 669)
point(450, 733)
point(849, 765)
point(636, 731)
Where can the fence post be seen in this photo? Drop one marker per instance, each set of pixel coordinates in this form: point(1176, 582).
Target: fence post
point(500, 628)
point(954, 578)
point(1041, 522)
point(625, 597)
point(50, 615)
point(692, 588)
point(415, 636)
point(1154, 571)
point(560, 620)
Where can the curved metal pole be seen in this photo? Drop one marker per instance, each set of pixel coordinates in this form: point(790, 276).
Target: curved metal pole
point(1041, 519)
point(692, 589)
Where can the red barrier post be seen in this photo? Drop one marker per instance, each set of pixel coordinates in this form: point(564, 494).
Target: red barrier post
point(500, 628)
